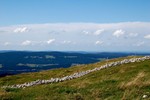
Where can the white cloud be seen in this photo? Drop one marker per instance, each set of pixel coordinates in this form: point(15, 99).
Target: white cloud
point(7, 43)
point(50, 41)
point(27, 42)
point(133, 34)
point(98, 32)
point(140, 43)
point(147, 36)
point(118, 33)
point(39, 34)
point(85, 32)
point(69, 27)
point(66, 42)
point(21, 30)
point(99, 42)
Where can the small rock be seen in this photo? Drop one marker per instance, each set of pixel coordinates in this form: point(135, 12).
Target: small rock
point(145, 96)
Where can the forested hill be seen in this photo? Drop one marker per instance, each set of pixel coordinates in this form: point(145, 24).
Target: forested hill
point(15, 62)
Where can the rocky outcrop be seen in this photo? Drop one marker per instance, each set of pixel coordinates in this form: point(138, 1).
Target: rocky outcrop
point(78, 74)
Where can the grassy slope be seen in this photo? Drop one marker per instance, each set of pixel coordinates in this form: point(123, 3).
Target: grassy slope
point(128, 81)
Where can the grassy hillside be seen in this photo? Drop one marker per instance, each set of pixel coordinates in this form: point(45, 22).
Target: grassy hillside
point(126, 82)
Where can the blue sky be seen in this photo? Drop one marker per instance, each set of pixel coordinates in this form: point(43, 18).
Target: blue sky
point(75, 25)
point(56, 11)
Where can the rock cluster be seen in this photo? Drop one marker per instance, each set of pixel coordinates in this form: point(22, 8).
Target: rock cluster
point(78, 74)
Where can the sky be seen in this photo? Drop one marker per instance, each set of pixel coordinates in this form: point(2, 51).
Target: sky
point(75, 25)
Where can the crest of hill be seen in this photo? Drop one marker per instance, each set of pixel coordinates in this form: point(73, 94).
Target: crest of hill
point(127, 81)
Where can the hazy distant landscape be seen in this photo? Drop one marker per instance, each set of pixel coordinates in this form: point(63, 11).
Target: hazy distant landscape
point(15, 62)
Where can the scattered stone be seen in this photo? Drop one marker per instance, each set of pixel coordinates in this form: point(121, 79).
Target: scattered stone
point(145, 96)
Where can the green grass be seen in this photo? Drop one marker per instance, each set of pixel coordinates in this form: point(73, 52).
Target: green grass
point(1, 66)
point(35, 65)
point(124, 82)
point(49, 57)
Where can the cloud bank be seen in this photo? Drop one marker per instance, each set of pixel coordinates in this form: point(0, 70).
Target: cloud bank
point(20, 30)
point(147, 36)
point(77, 36)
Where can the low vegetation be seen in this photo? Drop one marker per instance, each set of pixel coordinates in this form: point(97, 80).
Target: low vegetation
point(1, 66)
point(49, 57)
point(36, 65)
point(126, 82)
